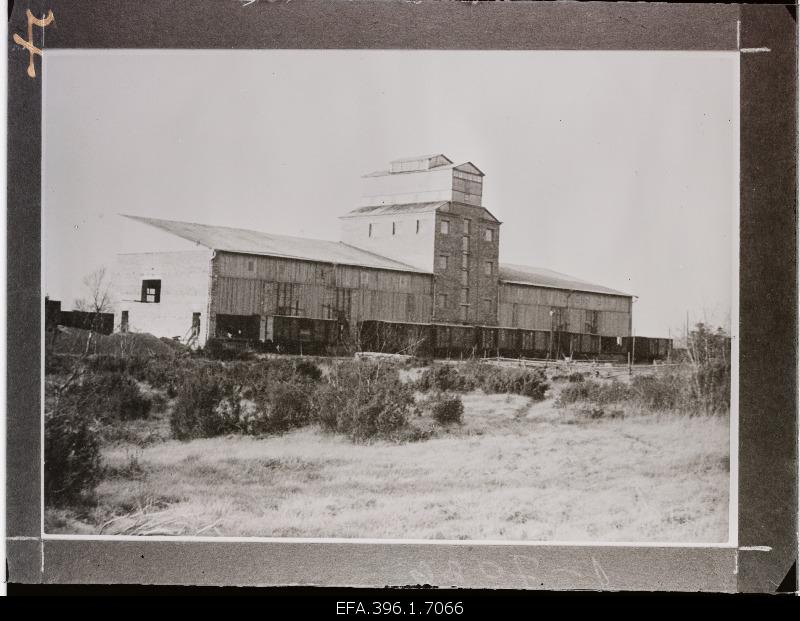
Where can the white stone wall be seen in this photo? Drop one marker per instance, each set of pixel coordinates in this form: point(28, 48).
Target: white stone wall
point(407, 245)
point(185, 279)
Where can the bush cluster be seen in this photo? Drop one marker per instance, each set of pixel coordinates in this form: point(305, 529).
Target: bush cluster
point(72, 461)
point(363, 400)
point(448, 410)
point(490, 378)
point(704, 389)
point(107, 397)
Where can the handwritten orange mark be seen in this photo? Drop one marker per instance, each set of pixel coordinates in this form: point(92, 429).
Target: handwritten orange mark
point(28, 45)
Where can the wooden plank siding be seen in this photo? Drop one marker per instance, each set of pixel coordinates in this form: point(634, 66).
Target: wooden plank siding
point(256, 285)
point(526, 306)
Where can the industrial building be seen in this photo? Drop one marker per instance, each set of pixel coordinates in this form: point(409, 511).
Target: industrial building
point(420, 257)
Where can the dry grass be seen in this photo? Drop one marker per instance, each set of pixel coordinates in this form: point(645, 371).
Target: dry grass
point(513, 471)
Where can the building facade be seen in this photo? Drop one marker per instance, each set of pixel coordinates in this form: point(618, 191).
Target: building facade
point(420, 249)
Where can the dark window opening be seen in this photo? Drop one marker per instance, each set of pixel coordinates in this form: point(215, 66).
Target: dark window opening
point(195, 324)
point(417, 226)
point(151, 291)
point(251, 265)
point(123, 322)
point(370, 230)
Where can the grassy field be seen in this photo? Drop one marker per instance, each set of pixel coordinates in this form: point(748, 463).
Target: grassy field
point(514, 470)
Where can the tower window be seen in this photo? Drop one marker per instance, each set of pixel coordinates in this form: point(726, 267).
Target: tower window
point(394, 228)
point(466, 227)
point(417, 226)
point(487, 268)
point(488, 235)
point(369, 234)
point(443, 261)
point(444, 227)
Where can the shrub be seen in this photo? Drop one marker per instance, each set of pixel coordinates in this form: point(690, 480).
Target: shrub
point(595, 392)
point(196, 413)
point(284, 407)
point(492, 379)
point(72, 464)
point(109, 396)
point(527, 382)
point(58, 364)
point(448, 410)
point(575, 377)
point(363, 400)
point(444, 377)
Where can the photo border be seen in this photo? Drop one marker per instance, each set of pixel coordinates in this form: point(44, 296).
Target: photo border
point(765, 36)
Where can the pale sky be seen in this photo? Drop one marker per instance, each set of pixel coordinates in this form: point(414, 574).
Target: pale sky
point(615, 167)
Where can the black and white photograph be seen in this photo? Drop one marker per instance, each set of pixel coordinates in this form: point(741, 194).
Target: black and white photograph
point(390, 294)
point(353, 293)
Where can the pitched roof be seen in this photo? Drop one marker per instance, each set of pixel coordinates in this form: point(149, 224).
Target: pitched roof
point(466, 166)
point(540, 277)
point(246, 241)
point(428, 156)
point(382, 210)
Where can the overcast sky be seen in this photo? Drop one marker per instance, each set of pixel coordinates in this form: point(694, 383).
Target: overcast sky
point(616, 167)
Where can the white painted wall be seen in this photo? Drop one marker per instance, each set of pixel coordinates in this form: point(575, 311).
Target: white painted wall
point(406, 245)
point(184, 290)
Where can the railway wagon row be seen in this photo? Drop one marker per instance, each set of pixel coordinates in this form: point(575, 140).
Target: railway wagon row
point(448, 341)
point(304, 335)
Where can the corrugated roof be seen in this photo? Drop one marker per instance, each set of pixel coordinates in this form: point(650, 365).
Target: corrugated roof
point(256, 242)
point(540, 277)
point(382, 210)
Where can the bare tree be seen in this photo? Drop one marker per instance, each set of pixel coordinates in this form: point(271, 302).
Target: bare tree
point(97, 286)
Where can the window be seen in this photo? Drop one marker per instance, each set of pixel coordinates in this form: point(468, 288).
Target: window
point(151, 291)
point(443, 262)
point(465, 296)
point(488, 306)
point(464, 261)
point(123, 322)
point(394, 228)
point(465, 244)
point(251, 265)
point(464, 312)
point(441, 299)
point(487, 268)
point(444, 227)
point(466, 227)
point(370, 230)
point(195, 324)
point(417, 226)
point(465, 277)
point(488, 235)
